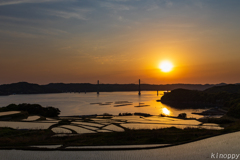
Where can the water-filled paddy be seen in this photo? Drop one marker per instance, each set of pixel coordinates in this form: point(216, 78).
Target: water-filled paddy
point(78, 129)
point(25, 125)
point(31, 118)
point(9, 113)
point(60, 130)
point(113, 128)
point(88, 124)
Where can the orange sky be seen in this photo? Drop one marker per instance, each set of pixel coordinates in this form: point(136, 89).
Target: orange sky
point(119, 41)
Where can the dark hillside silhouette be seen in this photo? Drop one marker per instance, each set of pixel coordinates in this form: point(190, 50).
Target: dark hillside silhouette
point(29, 88)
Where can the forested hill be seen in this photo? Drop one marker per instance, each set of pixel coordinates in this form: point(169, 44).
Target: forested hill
point(211, 95)
point(25, 88)
point(29, 88)
point(231, 88)
point(227, 96)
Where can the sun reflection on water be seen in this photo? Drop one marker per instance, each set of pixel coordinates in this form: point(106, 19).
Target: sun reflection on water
point(165, 111)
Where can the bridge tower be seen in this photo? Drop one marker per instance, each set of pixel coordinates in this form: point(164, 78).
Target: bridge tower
point(98, 87)
point(139, 89)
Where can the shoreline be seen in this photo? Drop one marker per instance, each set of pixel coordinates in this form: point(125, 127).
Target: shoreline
point(202, 149)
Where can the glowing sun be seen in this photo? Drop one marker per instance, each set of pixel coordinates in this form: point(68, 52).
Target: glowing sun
point(166, 66)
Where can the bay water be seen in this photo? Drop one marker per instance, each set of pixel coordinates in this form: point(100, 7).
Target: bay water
point(89, 103)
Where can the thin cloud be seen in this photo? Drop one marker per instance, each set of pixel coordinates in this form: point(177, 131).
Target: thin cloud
point(116, 7)
point(20, 34)
point(169, 3)
point(13, 19)
point(67, 15)
point(15, 2)
point(78, 13)
point(123, 0)
point(18, 19)
point(10, 22)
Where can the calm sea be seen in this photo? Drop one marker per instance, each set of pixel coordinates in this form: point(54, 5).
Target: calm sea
point(80, 103)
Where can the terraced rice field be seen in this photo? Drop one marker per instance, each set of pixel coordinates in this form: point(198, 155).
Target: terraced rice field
point(25, 125)
point(101, 124)
point(32, 118)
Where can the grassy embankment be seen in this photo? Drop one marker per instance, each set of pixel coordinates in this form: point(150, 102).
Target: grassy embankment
point(19, 138)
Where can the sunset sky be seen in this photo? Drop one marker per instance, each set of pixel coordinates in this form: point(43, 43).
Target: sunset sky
point(119, 41)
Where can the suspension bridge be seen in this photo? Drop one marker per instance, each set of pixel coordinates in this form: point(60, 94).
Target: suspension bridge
point(138, 82)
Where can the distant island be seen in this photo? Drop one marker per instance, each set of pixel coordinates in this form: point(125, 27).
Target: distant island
point(30, 88)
